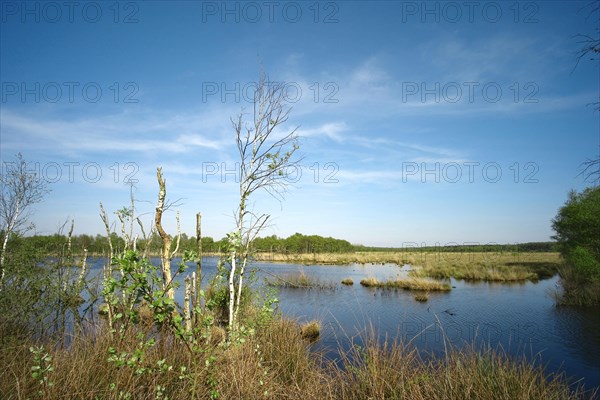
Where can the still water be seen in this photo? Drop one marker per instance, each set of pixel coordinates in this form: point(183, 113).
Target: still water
point(521, 318)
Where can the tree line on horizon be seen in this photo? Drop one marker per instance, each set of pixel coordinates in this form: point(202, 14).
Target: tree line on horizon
point(297, 243)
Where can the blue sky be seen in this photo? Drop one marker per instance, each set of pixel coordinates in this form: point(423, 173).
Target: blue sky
point(420, 122)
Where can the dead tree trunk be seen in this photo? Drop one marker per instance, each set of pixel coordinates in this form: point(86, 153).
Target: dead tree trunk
point(166, 239)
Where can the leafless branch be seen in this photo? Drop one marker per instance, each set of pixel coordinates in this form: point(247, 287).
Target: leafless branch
point(590, 170)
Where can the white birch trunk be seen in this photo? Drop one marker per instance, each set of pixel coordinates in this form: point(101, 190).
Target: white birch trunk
point(186, 305)
point(232, 291)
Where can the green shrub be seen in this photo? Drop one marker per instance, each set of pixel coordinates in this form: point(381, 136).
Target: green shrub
point(577, 228)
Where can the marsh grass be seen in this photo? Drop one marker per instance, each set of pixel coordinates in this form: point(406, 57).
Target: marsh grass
point(479, 272)
point(407, 284)
point(300, 281)
point(338, 258)
point(492, 268)
point(474, 266)
point(413, 257)
point(347, 281)
point(277, 363)
point(382, 370)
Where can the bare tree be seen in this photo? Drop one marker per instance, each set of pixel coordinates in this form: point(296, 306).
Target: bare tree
point(590, 49)
point(19, 190)
point(166, 254)
point(590, 46)
point(265, 157)
point(590, 169)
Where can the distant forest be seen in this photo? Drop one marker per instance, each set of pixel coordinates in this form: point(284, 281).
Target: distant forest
point(296, 243)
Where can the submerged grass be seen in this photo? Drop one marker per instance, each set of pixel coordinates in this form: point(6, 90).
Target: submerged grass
point(422, 297)
point(407, 284)
point(276, 363)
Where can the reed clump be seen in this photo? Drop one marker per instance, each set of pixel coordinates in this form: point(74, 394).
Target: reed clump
point(370, 282)
point(347, 281)
point(407, 284)
point(300, 281)
point(311, 330)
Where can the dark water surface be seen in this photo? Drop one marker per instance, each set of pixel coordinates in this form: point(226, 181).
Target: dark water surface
point(521, 318)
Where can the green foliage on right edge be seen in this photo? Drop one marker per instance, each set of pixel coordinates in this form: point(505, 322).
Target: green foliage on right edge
point(577, 228)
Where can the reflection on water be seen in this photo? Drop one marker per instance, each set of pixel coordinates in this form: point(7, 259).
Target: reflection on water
point(522, 318)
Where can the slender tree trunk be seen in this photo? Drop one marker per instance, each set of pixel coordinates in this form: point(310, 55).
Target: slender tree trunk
point(240, 283)
point(194, 297)
point(7, 233)
point(4, 244)
point(198, 277)
point(186, 305)
point(232, 291)
point(107, 269)
point(69, 263)
point(131, 215)
point(166, 249)
point(80, 281)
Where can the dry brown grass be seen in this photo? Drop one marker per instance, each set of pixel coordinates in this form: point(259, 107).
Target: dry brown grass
point(395, 370)
point(407, 284)
point(276, 363)
point(370, 282)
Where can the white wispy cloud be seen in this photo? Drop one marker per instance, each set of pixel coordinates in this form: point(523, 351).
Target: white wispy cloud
point(118, 133)
point(329, 130)
point(461, 79)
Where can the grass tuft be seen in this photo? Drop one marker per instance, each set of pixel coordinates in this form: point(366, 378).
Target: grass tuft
point(408, 284)
point(347, 281)
point(370, 282)
point(311, 330)
point(300, 281)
